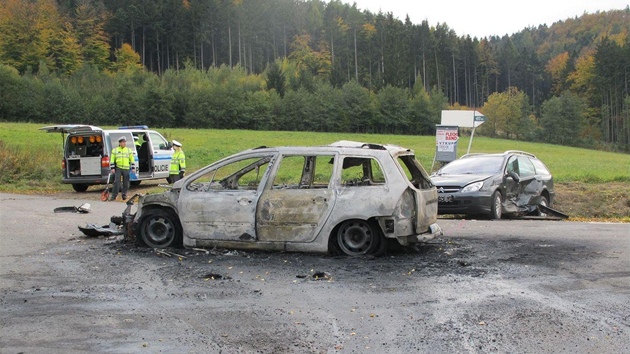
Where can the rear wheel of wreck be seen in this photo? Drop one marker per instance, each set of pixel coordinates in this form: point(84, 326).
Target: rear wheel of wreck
point(360, 238)
point(160, 228)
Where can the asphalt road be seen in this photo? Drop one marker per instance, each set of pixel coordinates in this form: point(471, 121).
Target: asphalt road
point(521, 286)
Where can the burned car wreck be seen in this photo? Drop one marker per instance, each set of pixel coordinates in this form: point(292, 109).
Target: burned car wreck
point(347, 197)
point(512, 183)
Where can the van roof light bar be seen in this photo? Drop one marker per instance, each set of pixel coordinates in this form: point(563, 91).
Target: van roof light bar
point(134, 127)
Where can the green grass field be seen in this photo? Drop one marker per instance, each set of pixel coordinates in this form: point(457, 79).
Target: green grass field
point(38, 149)
point(590, 184)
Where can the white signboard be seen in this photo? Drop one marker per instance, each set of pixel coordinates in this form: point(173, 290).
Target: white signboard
point(464, 119)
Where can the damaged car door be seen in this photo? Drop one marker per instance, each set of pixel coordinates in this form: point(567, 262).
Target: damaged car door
point(521, 184)
point(298, 200)
point(220, 203)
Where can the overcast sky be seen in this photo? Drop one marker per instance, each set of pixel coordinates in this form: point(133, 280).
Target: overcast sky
point(483, 18)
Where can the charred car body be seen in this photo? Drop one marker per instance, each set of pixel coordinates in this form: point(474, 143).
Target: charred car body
point(348, 196)
point(509, 183)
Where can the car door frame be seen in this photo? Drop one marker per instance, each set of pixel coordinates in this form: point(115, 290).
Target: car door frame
point(222, 214)
point(295, 214)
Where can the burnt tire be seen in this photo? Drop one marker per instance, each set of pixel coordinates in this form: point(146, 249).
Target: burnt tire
point(357, 238)
point(80, 187)
point(159, 228)
point(496, 208)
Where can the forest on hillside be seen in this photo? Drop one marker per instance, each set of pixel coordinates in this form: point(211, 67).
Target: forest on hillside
point(309, 65)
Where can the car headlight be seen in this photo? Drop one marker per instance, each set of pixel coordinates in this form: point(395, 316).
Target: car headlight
point(473, 187)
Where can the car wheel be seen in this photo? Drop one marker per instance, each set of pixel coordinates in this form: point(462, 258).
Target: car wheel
point(496, 209)
point(160, 229)
point(80, 187)
point(359, 238)
point(543, 201)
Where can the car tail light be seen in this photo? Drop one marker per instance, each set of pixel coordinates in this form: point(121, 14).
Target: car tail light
point(63, 164)
point(105, 161)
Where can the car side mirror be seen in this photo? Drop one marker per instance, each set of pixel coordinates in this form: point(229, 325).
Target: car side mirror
point(514, 176)
point(169, 146)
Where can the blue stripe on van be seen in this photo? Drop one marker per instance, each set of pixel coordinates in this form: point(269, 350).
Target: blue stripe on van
point(155, 158)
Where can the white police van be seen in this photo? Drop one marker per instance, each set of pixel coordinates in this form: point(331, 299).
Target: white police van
point(87, 150)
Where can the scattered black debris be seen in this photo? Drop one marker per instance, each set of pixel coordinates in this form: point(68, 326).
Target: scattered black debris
point(214, 276)
point(93, 230)
point(316, 276)
point(321, 276)
point(463, 263)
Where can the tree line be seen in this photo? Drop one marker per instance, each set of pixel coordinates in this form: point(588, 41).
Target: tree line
point(309, 65)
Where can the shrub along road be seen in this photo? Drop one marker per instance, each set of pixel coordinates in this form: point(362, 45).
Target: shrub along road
point(506, 286)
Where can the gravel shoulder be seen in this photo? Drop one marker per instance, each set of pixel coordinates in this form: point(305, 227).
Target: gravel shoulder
point(486, 286)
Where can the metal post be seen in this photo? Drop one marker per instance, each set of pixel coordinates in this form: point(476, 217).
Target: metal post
point(471, 138)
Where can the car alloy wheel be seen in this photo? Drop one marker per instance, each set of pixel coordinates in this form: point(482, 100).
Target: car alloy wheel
point(497, 205)
point(160, 229)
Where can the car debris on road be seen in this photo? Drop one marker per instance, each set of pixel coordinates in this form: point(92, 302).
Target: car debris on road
point(94, 230)
point(83, 209)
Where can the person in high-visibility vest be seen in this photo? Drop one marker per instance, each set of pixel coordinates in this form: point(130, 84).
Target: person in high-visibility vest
point(121, 162)
point(178, 163)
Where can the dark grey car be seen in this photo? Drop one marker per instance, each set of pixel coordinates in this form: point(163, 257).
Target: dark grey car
point(509, 183)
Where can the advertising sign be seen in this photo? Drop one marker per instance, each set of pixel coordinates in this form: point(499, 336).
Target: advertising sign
point(446, 138)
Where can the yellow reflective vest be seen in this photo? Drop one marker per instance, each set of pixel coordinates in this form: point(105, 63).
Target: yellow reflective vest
point(178, 163)
point(122, 157)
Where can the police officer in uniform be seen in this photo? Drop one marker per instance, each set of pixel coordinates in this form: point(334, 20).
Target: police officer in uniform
point(121, 162)
point(178, 163)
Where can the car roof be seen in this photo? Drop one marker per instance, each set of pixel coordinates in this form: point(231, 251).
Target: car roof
point(505, 153)
point(346, 146)
point(80, 129)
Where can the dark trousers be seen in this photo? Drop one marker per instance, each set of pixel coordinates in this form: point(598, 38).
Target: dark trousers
point(174, 178)
point(125, 182)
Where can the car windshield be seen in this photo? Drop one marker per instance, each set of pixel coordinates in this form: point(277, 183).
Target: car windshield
point(474, 165)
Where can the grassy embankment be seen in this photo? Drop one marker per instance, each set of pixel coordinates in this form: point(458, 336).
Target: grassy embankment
point(590, 184)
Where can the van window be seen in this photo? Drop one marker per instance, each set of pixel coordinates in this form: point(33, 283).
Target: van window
point(84, 146)
point(158, 141)
point(113, 138)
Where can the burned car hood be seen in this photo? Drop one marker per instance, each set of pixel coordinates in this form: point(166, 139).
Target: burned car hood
point(457, 180)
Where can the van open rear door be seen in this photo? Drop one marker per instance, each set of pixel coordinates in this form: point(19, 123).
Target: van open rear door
point(70, 128)
point(84, 162)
